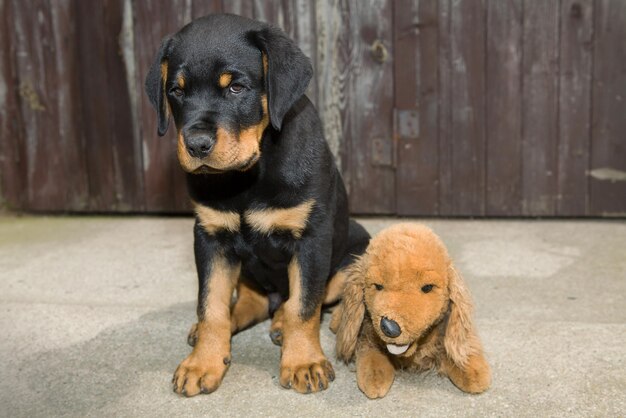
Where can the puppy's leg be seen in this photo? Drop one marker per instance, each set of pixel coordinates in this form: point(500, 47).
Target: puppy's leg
point(203, 370)
point(251, 307)
point(358, 240)
point(303, 365)
point(276, 330)
point(374, 371)
point(475, 377)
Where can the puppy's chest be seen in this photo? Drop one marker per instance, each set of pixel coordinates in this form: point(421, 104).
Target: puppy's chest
point(260, 230)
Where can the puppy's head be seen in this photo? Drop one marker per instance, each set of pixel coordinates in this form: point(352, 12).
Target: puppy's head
point(224, 79)
point(406, 283)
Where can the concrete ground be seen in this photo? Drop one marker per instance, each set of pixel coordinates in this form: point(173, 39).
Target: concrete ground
point(94, 314)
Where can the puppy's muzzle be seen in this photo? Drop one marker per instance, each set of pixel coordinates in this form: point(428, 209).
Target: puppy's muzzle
point(390, 327)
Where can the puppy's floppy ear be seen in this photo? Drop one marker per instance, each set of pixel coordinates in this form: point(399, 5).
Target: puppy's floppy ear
point(352, 310)
point(155, 86)
point(287, 72)
point(460, 340)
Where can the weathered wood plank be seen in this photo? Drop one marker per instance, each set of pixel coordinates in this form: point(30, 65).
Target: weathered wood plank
point(67, 65)
point(370, 107)
point(12, 144)
point(165, 188)
point(504, 108)
point(608, 149)
point(574, 106)
point(95, 106)
point(445, 108)
point(416, 92)
point(333, 51)
point(113, 159)
point(127, 152)
point(239, 7)
point(540, 104)
point(467, 130)
point(201, 8)
point(299, 23)
point(39, 91)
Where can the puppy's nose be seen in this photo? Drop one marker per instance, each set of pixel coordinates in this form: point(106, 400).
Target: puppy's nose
point(199, 145)
point(390, 327)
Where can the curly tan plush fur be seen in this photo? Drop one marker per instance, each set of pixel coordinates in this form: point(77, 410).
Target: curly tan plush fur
point(407, 279)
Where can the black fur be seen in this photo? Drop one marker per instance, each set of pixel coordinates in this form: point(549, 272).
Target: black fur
point(296, 164)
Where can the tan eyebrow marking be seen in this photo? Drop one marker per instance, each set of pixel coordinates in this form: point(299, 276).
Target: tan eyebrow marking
point(225, 79)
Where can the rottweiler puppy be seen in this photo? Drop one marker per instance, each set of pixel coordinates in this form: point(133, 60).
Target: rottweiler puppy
point(270, 205)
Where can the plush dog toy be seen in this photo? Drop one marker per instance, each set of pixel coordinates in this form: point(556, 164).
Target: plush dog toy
point(405, 306)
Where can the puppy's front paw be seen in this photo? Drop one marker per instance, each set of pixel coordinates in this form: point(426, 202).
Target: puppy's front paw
point(307, 377)
point(200, 374)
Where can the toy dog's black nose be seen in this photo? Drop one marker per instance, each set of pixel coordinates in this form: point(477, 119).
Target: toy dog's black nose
point(390, 327)
point(199, 145)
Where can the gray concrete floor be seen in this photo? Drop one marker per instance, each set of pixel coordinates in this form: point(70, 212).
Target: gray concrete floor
point(94, 314)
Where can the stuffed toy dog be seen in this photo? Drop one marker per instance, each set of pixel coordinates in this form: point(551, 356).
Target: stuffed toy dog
point(406, 307)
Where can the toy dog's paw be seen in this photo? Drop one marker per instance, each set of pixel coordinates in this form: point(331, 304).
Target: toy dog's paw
point(375, 383)
point(374, 372)
point(192, 337)
point(198, 374)
point(307, 377)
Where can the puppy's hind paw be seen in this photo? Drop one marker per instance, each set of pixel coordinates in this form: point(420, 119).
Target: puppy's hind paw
point(193, 335)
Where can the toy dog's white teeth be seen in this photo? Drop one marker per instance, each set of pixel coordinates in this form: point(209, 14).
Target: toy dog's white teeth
point(397, 349)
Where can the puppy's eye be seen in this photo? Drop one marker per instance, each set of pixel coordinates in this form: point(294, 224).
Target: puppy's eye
point(235, 88)
point(427, 288)
point(177, 91)
point(378, 286)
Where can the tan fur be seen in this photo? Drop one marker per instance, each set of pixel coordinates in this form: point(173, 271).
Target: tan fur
point(436, 325)
point(251, 306)
point(335, 287)
point(166, 104)
point(303, 365)
point(203, 370)
point(265, 63)
point(225, 79)
point(293, 219)
point(215, 220)
point(180, 80)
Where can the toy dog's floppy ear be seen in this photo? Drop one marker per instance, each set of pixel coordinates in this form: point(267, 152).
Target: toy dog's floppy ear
point(352, 311)
point(287, 71)
point(460, 340)
point(155, 86)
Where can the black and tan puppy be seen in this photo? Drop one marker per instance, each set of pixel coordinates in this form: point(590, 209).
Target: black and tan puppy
point(271, 207)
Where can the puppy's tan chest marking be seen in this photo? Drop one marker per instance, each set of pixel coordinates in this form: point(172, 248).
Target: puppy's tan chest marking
point(269, 220)
point(213, 220)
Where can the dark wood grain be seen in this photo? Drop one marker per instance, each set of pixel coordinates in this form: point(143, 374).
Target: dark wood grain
point(445, 108)
point(165, 189)
point(514, 107)
point(416, 89)
point(39, 93)
point(575, 57)
point(607, 169)
point(370, 108)
point(12, 137)
point(467, 113)
point(504, 108)
point(540, 115)
point(239, 7)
